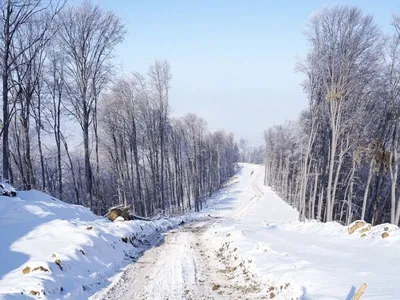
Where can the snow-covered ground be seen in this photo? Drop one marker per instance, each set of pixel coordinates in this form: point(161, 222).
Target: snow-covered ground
point(50, 249)
point(247, 244)
point(317, 260)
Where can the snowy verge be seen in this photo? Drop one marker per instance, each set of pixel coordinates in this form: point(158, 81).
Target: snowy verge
point(311, 260)
point(54, 250)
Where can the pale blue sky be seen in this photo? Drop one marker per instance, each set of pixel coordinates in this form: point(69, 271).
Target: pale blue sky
point(232, 61)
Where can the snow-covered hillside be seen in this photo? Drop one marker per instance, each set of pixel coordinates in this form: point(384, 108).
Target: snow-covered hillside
point(320, 260)
point(50, 249)
point(248, 243)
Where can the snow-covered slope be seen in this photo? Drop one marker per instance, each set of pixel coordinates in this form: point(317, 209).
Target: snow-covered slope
point(50, 249)
point(314, 260)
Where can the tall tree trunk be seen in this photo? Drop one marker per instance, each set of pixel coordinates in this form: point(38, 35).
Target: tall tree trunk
point(76, 188)
point(162, 150)
point(350, 194)
point(336, 180)
point(314, 195)
point(366, 191)
point(88, 169)
point(5, 101)
point(28, 158)
point(137, 166)
point(5, 70)
point(320, 204)
point(306, 171)
point(96, 141)
point(58, 142)
point(393, 173)
point(334, 105)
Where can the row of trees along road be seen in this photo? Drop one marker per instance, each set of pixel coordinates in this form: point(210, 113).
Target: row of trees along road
point(339, 161)
point(74, 128)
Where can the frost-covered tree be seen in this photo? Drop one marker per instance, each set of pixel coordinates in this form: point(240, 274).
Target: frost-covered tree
point(339, 160)
point(88, 36)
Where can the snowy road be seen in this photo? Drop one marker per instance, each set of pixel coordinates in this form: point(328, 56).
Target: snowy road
point(173, 270)
point(253, 247)
point(185, 267)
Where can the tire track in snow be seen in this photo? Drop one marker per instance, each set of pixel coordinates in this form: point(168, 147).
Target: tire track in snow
point(173, 270)
point(183, 267)
point(248, 204)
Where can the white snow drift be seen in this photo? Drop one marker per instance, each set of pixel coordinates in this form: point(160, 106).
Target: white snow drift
point(313, 260)
point(50, 249)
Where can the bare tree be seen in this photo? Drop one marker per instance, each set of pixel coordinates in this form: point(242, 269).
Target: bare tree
point(88, 37)
point(345, 42)
point(18, 16)
point(160, 77)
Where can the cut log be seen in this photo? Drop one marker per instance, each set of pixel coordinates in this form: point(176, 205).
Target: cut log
point(120, 211)
point(356, 225)
point(123, 213)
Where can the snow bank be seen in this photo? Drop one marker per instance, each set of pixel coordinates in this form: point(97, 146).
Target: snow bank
point(310, 260)
point(51, 249)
